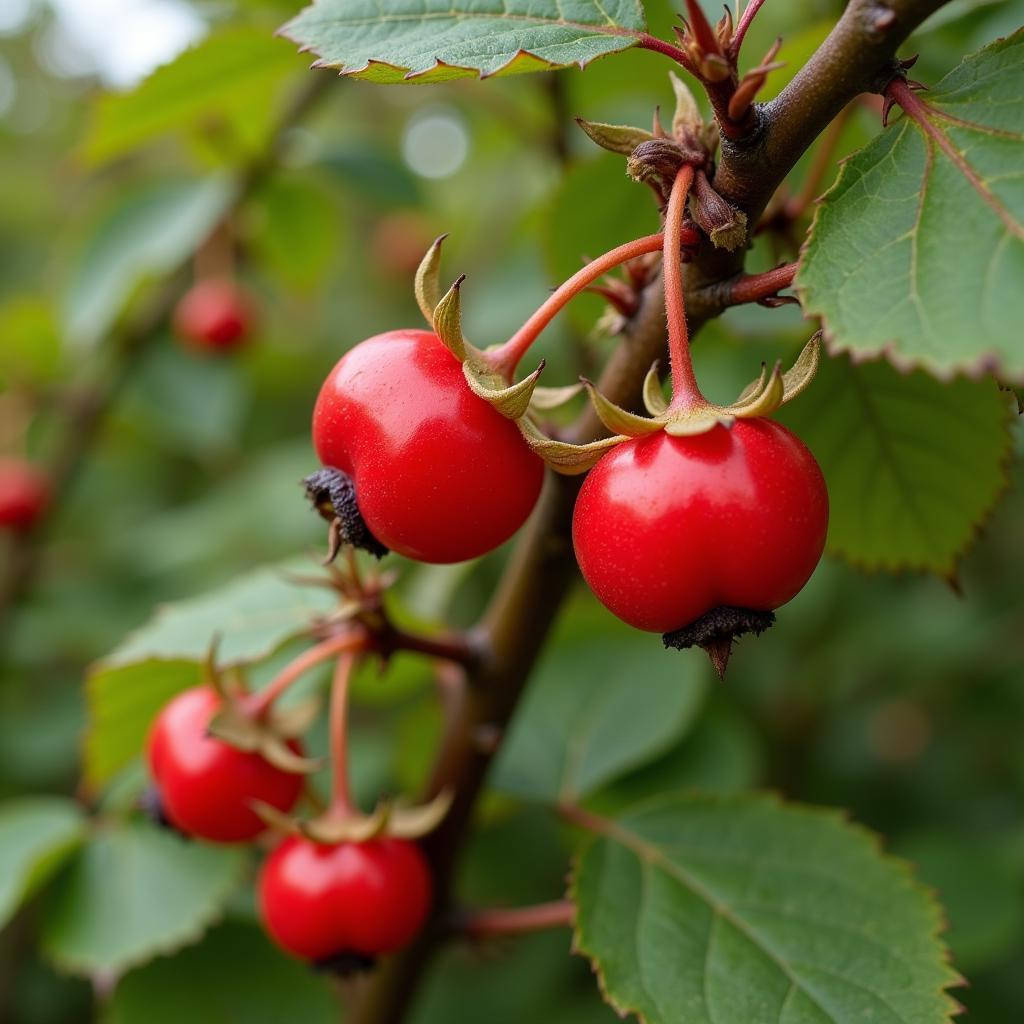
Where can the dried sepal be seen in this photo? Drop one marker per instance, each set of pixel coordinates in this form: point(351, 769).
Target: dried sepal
point(755, 387)
point(427, 284)
point(296, 720)
point(796, 380)
point(411, 822)
point(447, 321)
point(510, 400)
point(617, 138)
point(562, 457)
point(764, 402)
point(721, 222)
point(619, 420)
point(545, 399)
point(687, 113)
point(232, 726)
point(277, 751)
point(653, 395)
point(698, 421)
point(353, 828)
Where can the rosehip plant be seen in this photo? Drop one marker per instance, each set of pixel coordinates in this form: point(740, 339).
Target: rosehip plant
point(645, 491)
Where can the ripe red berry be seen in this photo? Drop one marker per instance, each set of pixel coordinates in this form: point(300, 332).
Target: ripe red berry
point(24, 494)
point(351, 900)
point(206, 786)
point(439, 475)
point(214, 315)
point(666, 529)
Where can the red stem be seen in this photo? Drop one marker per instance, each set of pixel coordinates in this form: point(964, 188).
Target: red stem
point(505, 358)
point(259, 704)
point(341, 797)
point(497, 921)
point(685, 392)
point(754, 287)
point(680, 56)
point(749, 12)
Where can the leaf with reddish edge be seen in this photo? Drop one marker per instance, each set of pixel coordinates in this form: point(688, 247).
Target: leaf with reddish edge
point(917, 252)
point(424, 41)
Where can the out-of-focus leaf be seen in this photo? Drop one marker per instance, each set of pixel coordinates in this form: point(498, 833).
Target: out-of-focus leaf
point(146, 232)
point(249, 618)
point(225, 90)
point(233, 974)
point(595, 709)
point(29, 342)
point(709, 909)
point(134, 891)
point(376, 175)
point(917, 252)
point(36, 835)
point(913, 465)
point(296, 230)
point(123, 701)
point(411, 41)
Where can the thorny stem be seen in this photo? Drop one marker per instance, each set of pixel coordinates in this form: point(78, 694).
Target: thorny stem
point(259, 704)
point(498, 921)
point(685, 391)
point(506, 358)
point(341, 805)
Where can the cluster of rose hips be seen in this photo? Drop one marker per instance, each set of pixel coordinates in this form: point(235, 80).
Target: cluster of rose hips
point(696, 521)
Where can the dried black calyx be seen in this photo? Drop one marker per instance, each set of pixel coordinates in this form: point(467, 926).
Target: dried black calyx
point(152, 806)
point(345, 965)
point(334, 496)
point(716, 630)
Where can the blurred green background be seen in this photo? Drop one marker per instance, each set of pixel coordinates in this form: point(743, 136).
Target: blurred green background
point(894, 697)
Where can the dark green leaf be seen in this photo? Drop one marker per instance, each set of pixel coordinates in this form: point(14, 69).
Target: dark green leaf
point(701, 909)
point(913, 465)
point(917, 252)
point(135, 891)
point(36, 835)
point(234, 974)
point(410, 40)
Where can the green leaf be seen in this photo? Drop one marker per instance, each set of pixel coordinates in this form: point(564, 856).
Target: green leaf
point(36, 835)
point(122, 703)
point(234, 974)
point(917, 252)
point(132, 892)
point(249, 618)
point(224, 91)
point(598, 706)
point(420, 41)
point(697, 909)
point(29, 342)
point(296, 230)
point(913, 466)
point(144, 234)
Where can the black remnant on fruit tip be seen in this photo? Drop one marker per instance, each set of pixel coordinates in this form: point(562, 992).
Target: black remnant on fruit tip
point(152, 806)
point(345, 965)
point(716, 630)
point(334, 496)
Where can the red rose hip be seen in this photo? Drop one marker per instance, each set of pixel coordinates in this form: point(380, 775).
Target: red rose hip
point(207, 787)
point(214, 315)
point(24, 494)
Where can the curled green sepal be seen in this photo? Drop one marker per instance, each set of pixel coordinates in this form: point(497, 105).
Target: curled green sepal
point(796, 380)
point(388, 818)
point(619, 420)
point(511, 400)
point(233, 726)
point(427, 284)
point(653, 395)
point(545, 399)
point(562, 457)
point(617, 138)
point(447, 321)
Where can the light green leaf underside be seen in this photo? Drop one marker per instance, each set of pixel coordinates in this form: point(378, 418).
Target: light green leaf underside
point(906, 256)
point(134, 891)
point(122, 703)
point(36, 834)
point(224, 90)
point(705, 910)
point(913, 465)
point(250, 618)
point(594, 711)
point(235, 974)
point(437, 40)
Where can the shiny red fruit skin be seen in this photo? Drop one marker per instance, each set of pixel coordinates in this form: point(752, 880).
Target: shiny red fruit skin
point(213, 315)
point(24, 494)
point(667, 528)
point(206, 786)
point(320, 901)
point(440, 475)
